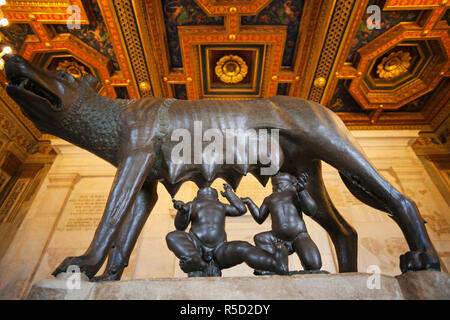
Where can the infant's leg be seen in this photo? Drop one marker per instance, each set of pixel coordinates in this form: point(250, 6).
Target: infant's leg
point(307, 251)
point(183, 246)
point(235, 252)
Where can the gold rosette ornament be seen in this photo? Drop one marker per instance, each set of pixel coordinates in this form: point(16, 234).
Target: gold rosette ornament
point(394, 65)
point(73, 68)
point(231, 69)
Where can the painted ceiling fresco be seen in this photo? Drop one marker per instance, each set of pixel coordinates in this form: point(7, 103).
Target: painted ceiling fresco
point(95, 34)
point(389, 19)
point(178, 13)
point(394, 76)
point(281, 12)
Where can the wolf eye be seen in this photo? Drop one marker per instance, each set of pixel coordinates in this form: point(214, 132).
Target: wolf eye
point(64, 75)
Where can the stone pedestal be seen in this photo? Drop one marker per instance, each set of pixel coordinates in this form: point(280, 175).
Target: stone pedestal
point(361, 286)
point(425, 285)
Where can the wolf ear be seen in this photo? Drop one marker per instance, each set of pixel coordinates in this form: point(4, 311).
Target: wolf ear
point(90, 81)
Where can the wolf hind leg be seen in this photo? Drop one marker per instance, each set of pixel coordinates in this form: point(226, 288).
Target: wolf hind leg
point(371, 188)
point(342, 234)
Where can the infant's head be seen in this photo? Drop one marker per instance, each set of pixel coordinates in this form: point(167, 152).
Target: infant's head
point(283, 181)
point(207, 192)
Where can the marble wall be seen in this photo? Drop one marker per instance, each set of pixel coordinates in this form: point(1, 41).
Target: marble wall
point(62, 218)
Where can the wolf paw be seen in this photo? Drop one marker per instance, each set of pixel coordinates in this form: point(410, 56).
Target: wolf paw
point(109, 275)
point(263, 273)
point(85, 263)
point(419, 260)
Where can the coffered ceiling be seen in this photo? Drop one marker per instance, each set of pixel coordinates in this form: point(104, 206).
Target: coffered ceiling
point(396, 76)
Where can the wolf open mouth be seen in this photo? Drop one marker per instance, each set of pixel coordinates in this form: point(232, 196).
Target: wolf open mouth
point(35, 88)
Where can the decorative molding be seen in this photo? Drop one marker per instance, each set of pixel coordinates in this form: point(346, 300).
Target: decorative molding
point(219, 8)
point(130, 31)
point(337, 27)
point(63, 180)
point(48, 11)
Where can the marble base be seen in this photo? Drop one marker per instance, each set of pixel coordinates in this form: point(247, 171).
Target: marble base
point(349, 286)
point(425, 285)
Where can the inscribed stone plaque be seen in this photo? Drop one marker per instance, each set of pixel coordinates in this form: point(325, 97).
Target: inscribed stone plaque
point(84, 212)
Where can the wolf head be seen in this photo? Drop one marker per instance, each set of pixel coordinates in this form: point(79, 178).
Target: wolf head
point(44, 96)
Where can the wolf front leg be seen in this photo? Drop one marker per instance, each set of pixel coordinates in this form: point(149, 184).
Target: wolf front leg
point(129, 179)
point(130, 230)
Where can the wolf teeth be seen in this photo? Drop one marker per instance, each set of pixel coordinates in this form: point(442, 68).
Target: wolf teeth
point(18, 81)
point(23, 83)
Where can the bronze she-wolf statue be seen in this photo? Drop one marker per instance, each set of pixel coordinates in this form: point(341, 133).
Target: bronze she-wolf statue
point(135, 136)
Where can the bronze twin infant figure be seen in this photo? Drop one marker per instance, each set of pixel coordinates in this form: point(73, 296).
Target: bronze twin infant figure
point(205, 251)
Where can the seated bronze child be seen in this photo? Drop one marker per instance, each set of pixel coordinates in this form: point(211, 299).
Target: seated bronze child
point(285, 206)
point(204, 250)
